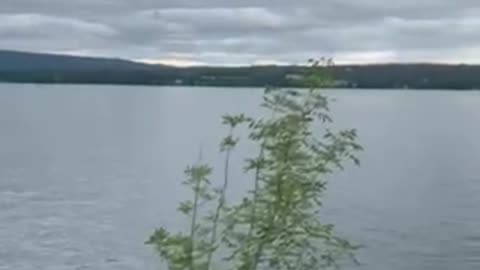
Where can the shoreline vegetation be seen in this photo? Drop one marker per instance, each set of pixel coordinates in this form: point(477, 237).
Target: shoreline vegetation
point(22, 67)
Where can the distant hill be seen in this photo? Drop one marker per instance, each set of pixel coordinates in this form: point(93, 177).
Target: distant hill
point(19, 61)
point(25, 67)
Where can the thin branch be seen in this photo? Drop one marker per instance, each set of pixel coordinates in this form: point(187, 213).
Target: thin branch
point(253, 220)
point(221, 201)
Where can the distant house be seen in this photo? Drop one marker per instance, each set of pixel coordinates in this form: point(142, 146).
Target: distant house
point(341, 83)
point(294, 77)
point(209, 78)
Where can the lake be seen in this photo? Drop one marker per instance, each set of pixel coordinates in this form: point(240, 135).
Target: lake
point(87, 172)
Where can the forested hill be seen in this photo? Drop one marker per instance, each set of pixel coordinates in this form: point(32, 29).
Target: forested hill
point(23, 61)
point(47, 68)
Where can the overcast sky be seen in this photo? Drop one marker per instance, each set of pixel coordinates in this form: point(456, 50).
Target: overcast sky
point(247, 31)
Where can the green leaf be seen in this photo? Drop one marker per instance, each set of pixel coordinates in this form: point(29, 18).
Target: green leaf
point(185, 207)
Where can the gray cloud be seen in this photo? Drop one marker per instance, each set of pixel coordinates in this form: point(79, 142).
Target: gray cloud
point(246, 32)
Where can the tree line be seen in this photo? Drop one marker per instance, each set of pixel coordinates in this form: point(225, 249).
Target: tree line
point(47, 68)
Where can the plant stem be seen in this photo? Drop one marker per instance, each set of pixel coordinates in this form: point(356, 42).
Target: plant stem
point(259, 251)
point(275, 212)
point(253, 220)
point(194, 225)
point(221, 201)
point(194, 214)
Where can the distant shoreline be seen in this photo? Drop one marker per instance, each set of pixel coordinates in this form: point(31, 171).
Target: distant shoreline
point(21, 67)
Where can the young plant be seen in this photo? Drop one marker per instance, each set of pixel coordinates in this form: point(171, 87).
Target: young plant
point(277, 225)
point(188, 250)
point(226, 146)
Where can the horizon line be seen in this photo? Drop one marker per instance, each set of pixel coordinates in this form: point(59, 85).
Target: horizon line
point(182, 63)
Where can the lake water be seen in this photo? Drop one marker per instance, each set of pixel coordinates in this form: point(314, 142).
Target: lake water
point(87, 172)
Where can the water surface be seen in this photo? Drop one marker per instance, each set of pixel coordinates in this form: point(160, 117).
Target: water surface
point(87, 172)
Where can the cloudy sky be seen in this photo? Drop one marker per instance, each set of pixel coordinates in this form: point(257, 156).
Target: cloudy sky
point(244, 32)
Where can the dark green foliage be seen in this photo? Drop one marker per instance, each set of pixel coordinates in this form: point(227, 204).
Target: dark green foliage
point(277, 225)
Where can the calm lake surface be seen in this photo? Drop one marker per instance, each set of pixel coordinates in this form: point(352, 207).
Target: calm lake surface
point(87, 172)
